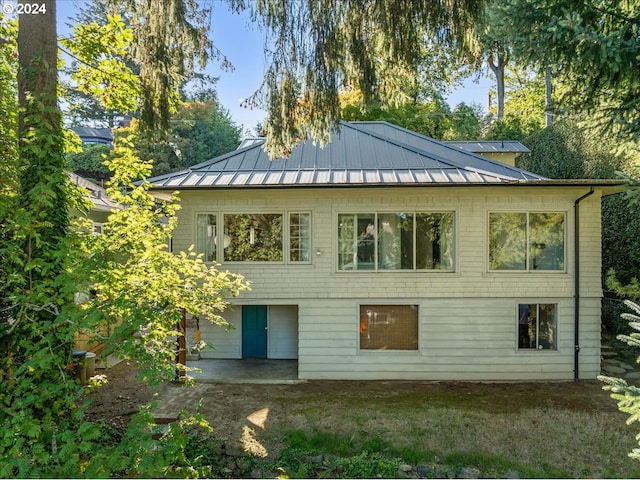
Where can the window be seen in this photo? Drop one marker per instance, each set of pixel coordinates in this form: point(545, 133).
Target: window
point(98, 228)
point(388, 327)
point(254, 237)
point(395, 241)
point(206, 236)
point(299, 237)
point(526, 241)
point(537, 326)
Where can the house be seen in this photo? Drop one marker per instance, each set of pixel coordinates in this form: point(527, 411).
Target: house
point(101, 204)
point(94, 135)
point(390, 255)
point(505, 151)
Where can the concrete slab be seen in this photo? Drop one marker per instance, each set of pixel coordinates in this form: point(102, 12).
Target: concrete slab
point(246, 370)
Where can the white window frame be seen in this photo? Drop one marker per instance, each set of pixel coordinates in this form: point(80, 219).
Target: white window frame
point(527, 270)
point(377, 269)
point(538, 302)
point(286, 244)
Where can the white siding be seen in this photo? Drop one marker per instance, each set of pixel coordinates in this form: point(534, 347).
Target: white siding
point(468, 324)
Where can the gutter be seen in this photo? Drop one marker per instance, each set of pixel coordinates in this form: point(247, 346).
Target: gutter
point(576, 309)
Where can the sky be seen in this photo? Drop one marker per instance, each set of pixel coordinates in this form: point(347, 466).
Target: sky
point(242, 44)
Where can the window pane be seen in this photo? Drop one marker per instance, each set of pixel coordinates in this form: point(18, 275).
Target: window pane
point(356, 241)
point(547, 327)
point(253, 238)
point(507, 241)
point(546, 241)
point(434, 241)
point(300, 237)
point(206, 236)
point(389, 327)
point(537, 326)
point(395, 241)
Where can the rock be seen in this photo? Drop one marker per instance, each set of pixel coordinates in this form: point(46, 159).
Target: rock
point(612, 370)
point(632, 376)
point(425, 471)
point(405, 468)
point(469, 472)
point(511, 474)
point(315, 458)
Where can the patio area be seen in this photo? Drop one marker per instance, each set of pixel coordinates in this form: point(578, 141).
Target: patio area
point(246, 370)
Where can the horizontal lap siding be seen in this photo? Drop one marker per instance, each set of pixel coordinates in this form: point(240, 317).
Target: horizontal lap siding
point(468, 324)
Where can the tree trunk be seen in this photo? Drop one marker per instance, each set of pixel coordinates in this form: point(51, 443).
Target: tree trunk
point(42, 179)
point(497, 68)
point(548, 114)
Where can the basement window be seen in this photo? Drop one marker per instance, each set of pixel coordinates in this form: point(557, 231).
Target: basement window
point(537, 326)
point(388, 327)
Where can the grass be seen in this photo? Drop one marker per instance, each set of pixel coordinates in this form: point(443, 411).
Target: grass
point(538, 430)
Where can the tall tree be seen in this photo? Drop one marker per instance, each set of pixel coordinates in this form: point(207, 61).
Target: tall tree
point(593, 47)
point(324, 46)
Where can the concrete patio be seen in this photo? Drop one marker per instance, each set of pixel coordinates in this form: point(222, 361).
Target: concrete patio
point(246, 370)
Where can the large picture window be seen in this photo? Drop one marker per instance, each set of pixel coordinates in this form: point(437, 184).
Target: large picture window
point(526, 241)
point(395, 241)
point(537, 326)
point(388, 327)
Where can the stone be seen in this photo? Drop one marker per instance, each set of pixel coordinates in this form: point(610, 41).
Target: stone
point(612, 370)
point(511, 474)
point(469, 472)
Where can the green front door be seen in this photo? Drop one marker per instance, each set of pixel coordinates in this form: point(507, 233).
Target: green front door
point(254, 331)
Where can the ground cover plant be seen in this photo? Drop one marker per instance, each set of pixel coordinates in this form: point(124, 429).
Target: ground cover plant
point(339, 429)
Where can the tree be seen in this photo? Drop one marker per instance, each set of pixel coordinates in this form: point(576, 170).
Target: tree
point(325, 46)
point(44, 262)
point(594, 49)
point(627, 396)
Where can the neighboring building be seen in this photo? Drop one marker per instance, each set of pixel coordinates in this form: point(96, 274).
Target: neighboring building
point(390, 255)
point(505, 151)
point(101, 204)
point(94, 135)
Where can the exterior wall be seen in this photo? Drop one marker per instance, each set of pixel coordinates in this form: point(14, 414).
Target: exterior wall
point(467, 318)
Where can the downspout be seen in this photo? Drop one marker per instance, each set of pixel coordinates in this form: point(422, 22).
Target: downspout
point(576, 309)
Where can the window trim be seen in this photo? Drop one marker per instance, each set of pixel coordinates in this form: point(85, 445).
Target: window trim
point(528, 270)
point(537, 351)
point(393, 303)
point(386, 271)
point(286, 246)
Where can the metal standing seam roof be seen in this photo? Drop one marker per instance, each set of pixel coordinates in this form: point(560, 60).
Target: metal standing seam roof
point(360, 154)
point(490, 146)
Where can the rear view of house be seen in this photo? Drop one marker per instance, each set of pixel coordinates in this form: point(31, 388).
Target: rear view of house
point(389, 255)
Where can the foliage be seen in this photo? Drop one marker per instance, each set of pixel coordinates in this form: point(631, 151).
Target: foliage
point(198, 131)
point(568, 150)
point(169, 39)
point(101, 70)
point(316, 49)
point(627, 396)
point(594, 49)
point(139, 288)
point(89, 162)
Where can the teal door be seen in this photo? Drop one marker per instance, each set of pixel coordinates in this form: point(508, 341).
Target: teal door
point(254, 331)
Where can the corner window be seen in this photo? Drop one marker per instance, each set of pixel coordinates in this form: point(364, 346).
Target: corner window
point(395, 241)
point(388, 327)
point(537, 326)
point(299, 237)
point(526, 241)
point(206, 236)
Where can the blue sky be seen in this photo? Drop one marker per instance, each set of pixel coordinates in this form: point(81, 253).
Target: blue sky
point(242, 44)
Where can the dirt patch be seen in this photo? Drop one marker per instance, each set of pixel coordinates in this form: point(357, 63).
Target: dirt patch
point(239, 411)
